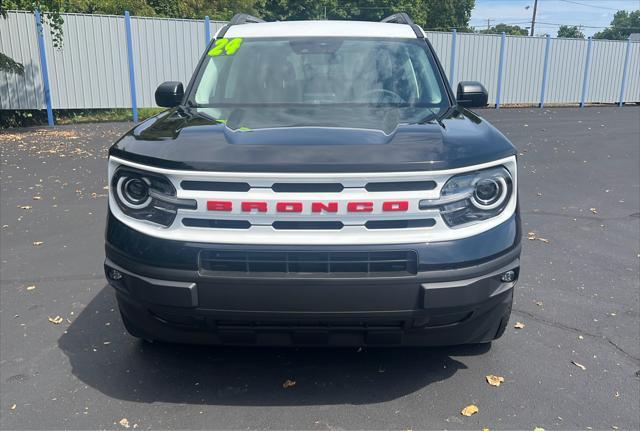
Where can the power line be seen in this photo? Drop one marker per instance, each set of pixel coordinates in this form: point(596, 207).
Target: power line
point(588, 5)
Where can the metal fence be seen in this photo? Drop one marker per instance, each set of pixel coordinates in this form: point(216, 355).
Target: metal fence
point(117, 62)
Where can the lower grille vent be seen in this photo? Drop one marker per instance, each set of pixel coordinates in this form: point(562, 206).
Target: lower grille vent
point(301, 263)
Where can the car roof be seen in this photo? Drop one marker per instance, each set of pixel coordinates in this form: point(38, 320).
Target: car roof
point(321, 29)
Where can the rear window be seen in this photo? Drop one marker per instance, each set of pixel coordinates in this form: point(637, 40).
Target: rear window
point(323, 82)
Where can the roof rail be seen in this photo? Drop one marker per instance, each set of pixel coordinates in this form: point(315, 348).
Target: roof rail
point(243, 18)
point(239, 18)
point(404, 18)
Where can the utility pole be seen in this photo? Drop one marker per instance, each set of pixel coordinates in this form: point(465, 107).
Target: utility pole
point(488, 23)
point(533, 19)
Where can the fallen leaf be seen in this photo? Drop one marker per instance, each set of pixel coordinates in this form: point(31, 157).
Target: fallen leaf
point(288, 383)
point(37, 243)
point(37, 198)
point(582, 367)
point(56, 320)
point(494, 380)
point(538, 429)
point(539, 303)
point(13, 406)
point(25, 207)
point(471, 409)
point(532, 236)
point(593, 210)
point(519, 325)
point(32, 287)
point(124, 422)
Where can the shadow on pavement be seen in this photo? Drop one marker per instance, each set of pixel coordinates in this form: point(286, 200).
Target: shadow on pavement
point(128, 369)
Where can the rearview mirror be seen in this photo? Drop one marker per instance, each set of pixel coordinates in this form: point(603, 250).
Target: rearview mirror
point(472, 94)
point(169, 94)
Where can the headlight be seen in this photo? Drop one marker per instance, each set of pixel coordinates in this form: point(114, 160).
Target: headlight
point(146, 196)
point(473, 197)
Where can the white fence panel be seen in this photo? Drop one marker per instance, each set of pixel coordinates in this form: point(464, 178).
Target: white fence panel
point(523, 68)
point(164, 50)
point(90, 70)
point(441, 43)
point(18, 40)
point(605, 76)
point(567, 59)
point(477, 60)
point(632, 91)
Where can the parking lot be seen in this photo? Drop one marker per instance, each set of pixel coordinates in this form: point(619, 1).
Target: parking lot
point(573, 364)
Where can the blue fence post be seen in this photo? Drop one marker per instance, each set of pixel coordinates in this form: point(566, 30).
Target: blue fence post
point(503, 42)
point(43, 67)
point(207, 31)
point(587, 67)
point(452, 65)
point(625, 72)
point(132, 78)
point(545, 71)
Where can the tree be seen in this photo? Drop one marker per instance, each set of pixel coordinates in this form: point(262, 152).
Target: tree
point(430, 14)
point(218, 10)
point(570, 31)
point(623, 24)
point(508, 29)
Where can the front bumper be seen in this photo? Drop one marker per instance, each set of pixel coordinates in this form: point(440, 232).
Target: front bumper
point(456, 297)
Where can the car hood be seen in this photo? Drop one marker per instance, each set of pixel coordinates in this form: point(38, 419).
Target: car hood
point(184, 139)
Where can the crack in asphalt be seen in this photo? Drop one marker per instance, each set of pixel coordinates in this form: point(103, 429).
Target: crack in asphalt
point(578, 331)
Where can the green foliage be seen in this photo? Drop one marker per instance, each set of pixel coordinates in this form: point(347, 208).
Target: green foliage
point(8, 65)
point(507, 29)
point(429, 14)
point(217, 10)
point(571, 31)
point(50, 14)
point(70, 116)
point(623, 24)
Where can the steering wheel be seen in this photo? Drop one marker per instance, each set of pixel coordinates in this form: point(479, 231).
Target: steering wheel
point(383, 91)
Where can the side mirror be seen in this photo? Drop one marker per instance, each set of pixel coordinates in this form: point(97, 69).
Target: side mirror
point(169, 94)
point(472, 94)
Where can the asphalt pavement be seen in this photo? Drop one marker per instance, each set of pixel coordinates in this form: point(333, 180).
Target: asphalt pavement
point(67, 363)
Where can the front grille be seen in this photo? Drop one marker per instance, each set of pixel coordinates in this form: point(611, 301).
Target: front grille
point(301, 263)
point(235, 186)
point(308, 225)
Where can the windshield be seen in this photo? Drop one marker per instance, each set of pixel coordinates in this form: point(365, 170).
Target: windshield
point(319, 82)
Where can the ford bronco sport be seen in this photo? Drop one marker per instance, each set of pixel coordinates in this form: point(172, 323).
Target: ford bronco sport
point(317, 183)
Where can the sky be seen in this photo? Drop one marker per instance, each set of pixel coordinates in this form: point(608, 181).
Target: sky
point(593, 14)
